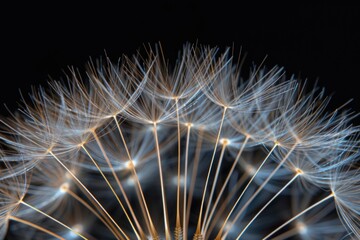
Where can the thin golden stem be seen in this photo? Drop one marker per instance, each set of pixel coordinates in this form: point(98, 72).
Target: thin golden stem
point(16, 219)
point(198, 229)
point(261, 186)
point(226, 202)
point(226, 182)
point(317, 217)
point(194, 173)
point(165, 211)
point(178, 220)
point(54, 219)
point(264, 207)
point(88, 192)
point(120, 187)
point(108, 183)
point(139, 192)
point(242, 193)
point(100, 211)
point(144, 208)
point(298, 215)
point(185, 180)
point(85, 204)
point(213, 187)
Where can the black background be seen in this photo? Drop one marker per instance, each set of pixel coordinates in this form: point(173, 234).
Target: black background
point(316, 41)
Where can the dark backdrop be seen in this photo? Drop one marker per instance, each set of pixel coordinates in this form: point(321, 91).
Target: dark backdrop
point(315, 41)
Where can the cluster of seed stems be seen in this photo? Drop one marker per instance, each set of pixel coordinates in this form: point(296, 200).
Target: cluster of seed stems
point(171, 102)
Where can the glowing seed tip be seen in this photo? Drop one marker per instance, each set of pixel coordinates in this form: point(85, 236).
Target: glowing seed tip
point(225, 141)
point(64, 187)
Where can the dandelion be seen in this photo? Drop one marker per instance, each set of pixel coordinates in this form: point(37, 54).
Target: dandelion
point(141, 149)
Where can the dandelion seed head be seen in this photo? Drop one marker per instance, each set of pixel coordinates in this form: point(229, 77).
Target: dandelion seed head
point(143, 148)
